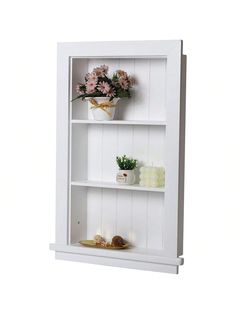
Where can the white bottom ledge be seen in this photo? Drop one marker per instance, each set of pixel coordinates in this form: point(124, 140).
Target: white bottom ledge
point(131, 258)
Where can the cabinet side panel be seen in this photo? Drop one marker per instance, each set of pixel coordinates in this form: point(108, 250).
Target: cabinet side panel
point(173, 87)
point(79, 69)
point(182, 155)
point(79, 152)
point(62, 147)
point(78, 217)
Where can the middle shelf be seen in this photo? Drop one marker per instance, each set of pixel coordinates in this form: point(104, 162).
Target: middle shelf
point(113, 185)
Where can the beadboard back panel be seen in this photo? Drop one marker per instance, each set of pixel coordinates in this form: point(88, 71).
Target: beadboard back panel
point(146, 103)
point(95, 147)
point(138, 217)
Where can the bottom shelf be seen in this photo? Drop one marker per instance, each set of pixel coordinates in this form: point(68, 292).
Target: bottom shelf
point(138, 258)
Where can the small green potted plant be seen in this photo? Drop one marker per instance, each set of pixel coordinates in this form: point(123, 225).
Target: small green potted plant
point(126, 173)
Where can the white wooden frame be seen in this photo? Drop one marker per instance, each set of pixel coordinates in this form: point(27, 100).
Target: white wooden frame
point(168, 259)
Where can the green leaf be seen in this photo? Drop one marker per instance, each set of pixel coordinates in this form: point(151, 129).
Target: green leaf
point(122, 93)
point(126, 163)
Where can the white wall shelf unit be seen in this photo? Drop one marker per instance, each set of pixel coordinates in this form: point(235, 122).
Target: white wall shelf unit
point(150, 126)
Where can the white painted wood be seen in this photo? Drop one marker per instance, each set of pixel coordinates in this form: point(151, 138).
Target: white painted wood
point(113, 185)
point(142, 95)
point(149, 127)
point(109, 152)
point(157, 49)
point(108, 214)
point(62, 148)
point(94, 213)
point(95, 153)
point(106, 142)
point(71, 228)
point(173, 74)
point(144, 255)
point(136, 216)
point(124, 211)
point(117, 262)
point(140, 145)
point(155, 214)
point(139, 219)
point(157, 89)
point(125, 138)
point(182, 156)
point(79, 152)
point(78, 216)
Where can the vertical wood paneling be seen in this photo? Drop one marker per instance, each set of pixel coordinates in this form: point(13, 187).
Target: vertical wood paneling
point(125, 140)
point(157, 89)
point(139, 219)
point(141, 89)
point(108, 213)
point(113, 65)
point(148, 95)
point(95, 152)
point(156, 146)
point(154, 221)
point(140, 144)
point(137, 216)
point(109, 151)
point(124, 214)
point(94, 212)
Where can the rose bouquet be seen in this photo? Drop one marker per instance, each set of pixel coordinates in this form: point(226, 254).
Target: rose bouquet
point(99, 84)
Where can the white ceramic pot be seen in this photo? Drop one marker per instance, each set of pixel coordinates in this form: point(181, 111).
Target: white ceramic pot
point(125, 177)
point(105, 113)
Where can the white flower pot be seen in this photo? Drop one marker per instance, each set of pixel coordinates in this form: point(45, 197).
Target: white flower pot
point(104, 113)
point(125, 177)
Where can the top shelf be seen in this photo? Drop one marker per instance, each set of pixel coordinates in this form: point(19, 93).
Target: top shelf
point(120, 122)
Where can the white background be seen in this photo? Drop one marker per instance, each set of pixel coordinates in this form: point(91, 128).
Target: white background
point(31, 280)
